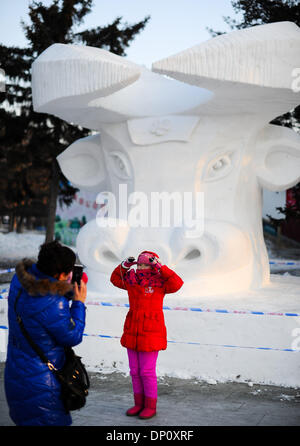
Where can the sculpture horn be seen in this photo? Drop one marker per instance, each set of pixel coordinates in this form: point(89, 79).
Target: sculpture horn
point(255, 65)
point(66, 78)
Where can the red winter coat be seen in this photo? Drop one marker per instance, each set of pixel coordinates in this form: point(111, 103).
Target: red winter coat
point(144, 328)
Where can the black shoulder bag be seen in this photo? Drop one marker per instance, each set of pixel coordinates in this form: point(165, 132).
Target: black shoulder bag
point(72, 376)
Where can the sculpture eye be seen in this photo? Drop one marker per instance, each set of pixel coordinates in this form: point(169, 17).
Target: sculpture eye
point(120, 166)
point(219, 166)
point(221, 163)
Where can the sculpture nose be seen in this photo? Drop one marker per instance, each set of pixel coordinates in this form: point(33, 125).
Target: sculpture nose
point(161, 249)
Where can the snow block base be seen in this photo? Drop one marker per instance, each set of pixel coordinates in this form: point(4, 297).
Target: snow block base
point(251, 337)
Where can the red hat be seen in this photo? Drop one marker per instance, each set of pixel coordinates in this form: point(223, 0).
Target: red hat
point(145, 256)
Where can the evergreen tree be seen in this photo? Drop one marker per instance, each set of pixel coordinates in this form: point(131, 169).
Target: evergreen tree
point(31, 179)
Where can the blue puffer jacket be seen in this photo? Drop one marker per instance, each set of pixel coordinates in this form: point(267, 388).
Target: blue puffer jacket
point(32, 390)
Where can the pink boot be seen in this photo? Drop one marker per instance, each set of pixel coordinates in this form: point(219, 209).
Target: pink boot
point(139, 404)
point(149, 409)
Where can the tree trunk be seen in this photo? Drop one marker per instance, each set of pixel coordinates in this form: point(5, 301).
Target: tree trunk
point(54, 188)
point(20, 224)
point(11, 221)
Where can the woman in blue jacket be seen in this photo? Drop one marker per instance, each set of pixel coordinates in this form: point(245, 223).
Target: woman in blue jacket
point(32, 390)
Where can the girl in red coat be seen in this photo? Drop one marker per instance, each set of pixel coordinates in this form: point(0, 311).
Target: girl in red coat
point(144, 329)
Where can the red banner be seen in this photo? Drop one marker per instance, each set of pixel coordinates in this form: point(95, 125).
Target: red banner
point(290, 198)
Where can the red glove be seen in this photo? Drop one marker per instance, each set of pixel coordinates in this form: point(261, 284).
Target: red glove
point(156, 264)
point(128, 262)
point(85, 277)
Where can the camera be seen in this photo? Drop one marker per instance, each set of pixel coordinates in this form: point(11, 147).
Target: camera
point(77, 274)
point(131, 259)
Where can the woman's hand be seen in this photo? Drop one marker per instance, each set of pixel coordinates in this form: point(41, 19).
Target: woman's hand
point(80, 292)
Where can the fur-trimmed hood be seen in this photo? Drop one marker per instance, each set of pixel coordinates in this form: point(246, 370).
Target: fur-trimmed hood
point(36, 286)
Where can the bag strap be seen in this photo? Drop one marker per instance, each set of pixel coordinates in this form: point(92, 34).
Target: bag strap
point(33, 345)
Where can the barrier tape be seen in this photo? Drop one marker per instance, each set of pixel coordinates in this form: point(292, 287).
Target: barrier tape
point(9, 270)
point(197, 309)
point(271, 262)
point(204, 344)
point(284, 262)
point(201, 310)
point(102, 336)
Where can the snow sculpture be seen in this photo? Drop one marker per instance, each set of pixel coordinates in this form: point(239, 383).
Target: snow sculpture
point(206, 130)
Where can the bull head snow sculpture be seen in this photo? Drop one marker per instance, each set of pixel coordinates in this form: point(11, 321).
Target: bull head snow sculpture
point(205, 130)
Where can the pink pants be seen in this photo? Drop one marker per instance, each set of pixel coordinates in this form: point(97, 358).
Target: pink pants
point(143, 372)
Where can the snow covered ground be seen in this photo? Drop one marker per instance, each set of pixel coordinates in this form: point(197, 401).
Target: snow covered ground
point(14, 247)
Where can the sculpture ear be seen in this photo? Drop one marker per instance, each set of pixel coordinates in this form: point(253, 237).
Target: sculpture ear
point(278, 158)
point(83, 163)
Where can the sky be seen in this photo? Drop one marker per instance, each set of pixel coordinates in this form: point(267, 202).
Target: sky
point(175, 25)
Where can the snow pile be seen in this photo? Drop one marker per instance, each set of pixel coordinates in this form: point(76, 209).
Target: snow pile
point(15, 246)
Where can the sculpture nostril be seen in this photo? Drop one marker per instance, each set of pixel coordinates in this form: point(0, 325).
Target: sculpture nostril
point(193, 254)
point(110, 256)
